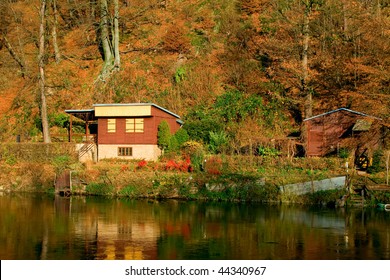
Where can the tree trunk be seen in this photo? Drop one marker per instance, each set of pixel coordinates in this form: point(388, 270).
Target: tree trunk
point(117, 62)
point(107, 50)
point(305, 74)
point(57, 53)
point(14, 55)
point(92, 5)
point(345, 19)
point(41, 63)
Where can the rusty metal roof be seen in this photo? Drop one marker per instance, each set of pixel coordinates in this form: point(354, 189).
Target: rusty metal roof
point(340, 109)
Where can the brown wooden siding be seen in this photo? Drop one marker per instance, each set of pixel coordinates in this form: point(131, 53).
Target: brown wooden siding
point(326, 132)
point(160, 115)
point(315, 139)
point(149, 136)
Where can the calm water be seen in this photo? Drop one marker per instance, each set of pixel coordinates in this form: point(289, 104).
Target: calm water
point(43, 227)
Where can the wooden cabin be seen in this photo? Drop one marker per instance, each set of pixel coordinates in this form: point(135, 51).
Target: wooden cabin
point(125, 130)
point(329, 132)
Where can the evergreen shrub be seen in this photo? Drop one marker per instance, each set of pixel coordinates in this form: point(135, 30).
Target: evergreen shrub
point(99, 189)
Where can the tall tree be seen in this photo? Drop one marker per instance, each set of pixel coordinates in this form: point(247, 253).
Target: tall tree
point(306, 91)
point(287, 47)
point(57, 53)
point(41, 64)
point(109, 36)
point(117, 62)
point(14, 55)
point(5, 22)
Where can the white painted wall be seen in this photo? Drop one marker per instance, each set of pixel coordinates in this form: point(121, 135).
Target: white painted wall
point(147, 152)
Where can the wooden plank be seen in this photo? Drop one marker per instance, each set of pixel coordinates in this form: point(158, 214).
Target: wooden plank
point(62, 182)
point(378, 187)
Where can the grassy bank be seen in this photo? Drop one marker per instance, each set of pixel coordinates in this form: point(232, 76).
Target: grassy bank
point(34, 168)
point(217, 177)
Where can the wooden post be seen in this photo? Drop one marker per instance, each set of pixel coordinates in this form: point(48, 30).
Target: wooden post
point(70, 180)
point(86, 130)
point(70, 127)
point(387, 166)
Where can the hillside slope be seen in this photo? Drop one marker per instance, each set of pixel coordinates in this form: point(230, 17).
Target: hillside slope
point(200, 59)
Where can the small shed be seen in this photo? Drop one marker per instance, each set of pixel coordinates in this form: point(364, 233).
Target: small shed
point(327, 133)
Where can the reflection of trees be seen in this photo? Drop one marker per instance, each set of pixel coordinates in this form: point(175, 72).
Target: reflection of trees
point(237, 231)
point(32, 230)
point(85, 228)
point(368, 234)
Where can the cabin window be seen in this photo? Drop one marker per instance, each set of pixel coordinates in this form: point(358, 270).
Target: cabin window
point(125, 151)
point(111, 125)
point(134, 125)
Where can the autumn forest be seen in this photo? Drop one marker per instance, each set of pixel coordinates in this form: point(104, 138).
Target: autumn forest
point(231, 67)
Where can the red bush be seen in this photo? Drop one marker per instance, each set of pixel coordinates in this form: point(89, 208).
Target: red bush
point(124, 168)
point(142, 164)
point(184, 166)
point(214, 166)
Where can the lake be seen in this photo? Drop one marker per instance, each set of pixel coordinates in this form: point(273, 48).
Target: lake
point(35, 227)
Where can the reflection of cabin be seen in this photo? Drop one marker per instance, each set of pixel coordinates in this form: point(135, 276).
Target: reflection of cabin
point(124, 130)
point(342, 128)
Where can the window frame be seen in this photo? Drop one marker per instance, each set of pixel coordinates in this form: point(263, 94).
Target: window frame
point(125, 151)
point(111, 125)
point(135, 125)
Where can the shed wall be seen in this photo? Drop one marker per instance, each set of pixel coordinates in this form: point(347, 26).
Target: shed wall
point(326, 132)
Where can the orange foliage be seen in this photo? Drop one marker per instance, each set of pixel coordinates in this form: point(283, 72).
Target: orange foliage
point(220, 45)
point(175, 40)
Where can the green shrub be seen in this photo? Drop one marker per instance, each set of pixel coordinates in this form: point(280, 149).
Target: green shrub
point(173, 145)
point(181, 136)
point(196, 152)
point(324, 198)
point(60, 120)
point(343, 153)
point(376, 165)
point(61, 163)
point(10, 160)
point(180, 75)
point(267, 151)
point(199, 130)
point(200, 121)
point(99, 189)
point(163, 135)
point(129, 191)
point(218, 142)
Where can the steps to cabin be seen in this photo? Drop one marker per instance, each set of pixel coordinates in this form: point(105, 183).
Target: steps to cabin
point(356, 200)
point(364, 191)
point(357, 194)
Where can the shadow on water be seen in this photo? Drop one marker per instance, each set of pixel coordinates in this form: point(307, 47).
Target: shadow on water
point(51, 227)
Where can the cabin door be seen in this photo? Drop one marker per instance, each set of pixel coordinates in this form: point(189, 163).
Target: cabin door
point(315, 143)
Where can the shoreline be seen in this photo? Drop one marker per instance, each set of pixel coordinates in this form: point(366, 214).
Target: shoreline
point(196, 187)
point(224, 178)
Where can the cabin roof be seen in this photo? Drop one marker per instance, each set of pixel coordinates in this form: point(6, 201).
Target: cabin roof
point(136, 105)
point(340, 109)
point(90, 114)
point(85, 115)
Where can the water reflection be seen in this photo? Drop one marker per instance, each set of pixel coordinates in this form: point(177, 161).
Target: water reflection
point(40, 227)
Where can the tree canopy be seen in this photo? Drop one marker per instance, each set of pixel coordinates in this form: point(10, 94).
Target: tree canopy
point(246, 65)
